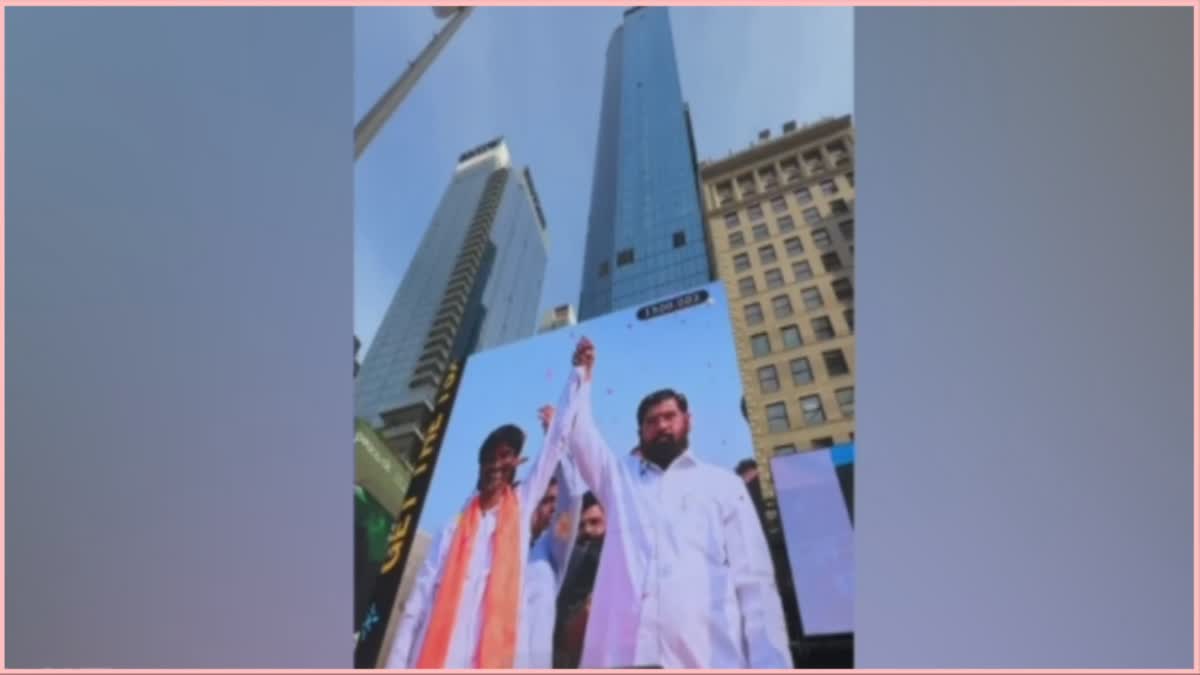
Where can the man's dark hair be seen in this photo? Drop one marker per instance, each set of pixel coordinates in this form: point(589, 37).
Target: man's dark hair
point(509, 434)
point(658, 397)
point(589, 500)
point(746, 465)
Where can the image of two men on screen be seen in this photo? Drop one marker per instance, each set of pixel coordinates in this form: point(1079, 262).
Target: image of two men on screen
point(600, 556)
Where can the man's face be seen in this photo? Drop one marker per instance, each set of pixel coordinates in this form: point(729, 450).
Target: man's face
point(544, 511)
point(592, 524)
point(499, 468)
point(664, 431)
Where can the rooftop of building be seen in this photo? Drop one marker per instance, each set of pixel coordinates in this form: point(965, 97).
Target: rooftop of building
point(767, 146)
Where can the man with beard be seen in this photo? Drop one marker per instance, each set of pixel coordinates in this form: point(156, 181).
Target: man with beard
point(575, 599)
point(685, 578)
point(469, 607)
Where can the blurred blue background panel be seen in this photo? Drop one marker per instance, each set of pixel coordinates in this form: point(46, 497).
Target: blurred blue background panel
point(179, 233)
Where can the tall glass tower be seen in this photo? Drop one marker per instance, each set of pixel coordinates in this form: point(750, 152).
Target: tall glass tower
point(474, 283)
point(646, 235)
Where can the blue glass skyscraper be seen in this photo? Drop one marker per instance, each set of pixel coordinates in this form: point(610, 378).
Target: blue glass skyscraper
point(474, 284)
point(646, 236)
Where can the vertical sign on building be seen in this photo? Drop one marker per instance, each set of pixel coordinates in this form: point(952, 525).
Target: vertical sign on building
point(371, 633)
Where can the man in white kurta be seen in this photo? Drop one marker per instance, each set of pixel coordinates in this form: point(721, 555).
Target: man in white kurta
point(414, 618)
point(550, 554)
point(685, 577)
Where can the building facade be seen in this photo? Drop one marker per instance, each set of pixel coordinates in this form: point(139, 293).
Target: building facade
point(559, 317)
point(781, 220)
point(645, 228)
point(474, 283)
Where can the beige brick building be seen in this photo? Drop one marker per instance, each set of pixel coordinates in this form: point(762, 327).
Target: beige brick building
point(780, 218)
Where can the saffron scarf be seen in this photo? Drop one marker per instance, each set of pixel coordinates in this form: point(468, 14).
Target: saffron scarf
point(501, 598)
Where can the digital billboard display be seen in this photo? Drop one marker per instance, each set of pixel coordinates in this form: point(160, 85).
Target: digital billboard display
point(813, 493)
point(586, 510)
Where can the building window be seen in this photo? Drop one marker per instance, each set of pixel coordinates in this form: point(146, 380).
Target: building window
point(774, 278)
point(769, 178)
point(746, 184)
point(788, 449)
point(821, 239)
point(801, 371)
point(845, 399)
point(779, 204)
point(725, 193)
point(625, 257)
point(761, 232)
point(604, 269)
point(846, 227)
point(831, 261)
point(812, 298)
point(746, 286)
point(741, 262)
point(835, 363)
point(766, 255)
point(837, 152)
point(786, 224)
point(732, 220)
point(850, 178)
point(756, 212)
point(736, 240)
point(679, 239)
point(814, 162)
point(760, 344)
point(823, 328)
point(812, 216)
point(794, 246)
point(777, 418)
point(849, 314)
point(803, 195)
point(754, 314)
point(839, 207)
point(791, 168)
point(814, 413)
point(791, 337)
point(782, 305)
point(768, 380)
point(802, 270)
point(828, 187)
point(843, 290)
point(822, 443)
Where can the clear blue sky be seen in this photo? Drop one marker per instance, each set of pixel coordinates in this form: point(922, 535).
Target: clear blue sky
point(534, 76)
point(691, 351)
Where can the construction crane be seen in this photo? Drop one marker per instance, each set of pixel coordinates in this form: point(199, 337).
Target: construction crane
point(367, 128)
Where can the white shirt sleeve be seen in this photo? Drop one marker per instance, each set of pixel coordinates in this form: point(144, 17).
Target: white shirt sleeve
point(536, 483)
point(596, 464)
point(569, 506)
point(416, 610)
point(764, 630)
point(539, 609)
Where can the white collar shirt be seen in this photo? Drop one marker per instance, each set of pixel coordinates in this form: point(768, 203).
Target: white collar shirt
point(685, 577)
point(413, 622)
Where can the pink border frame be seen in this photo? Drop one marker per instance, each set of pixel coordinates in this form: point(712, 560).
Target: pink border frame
point(860, 3)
